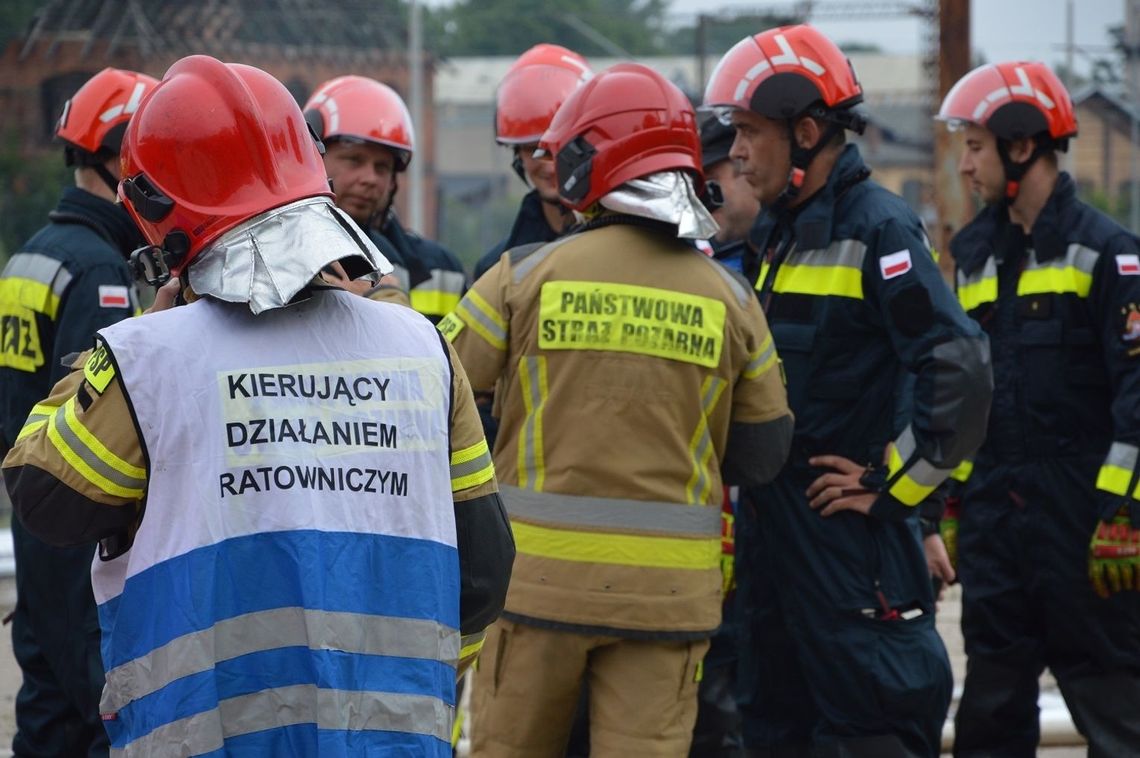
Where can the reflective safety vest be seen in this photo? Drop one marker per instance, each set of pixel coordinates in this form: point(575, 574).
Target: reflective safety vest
point(294, 585)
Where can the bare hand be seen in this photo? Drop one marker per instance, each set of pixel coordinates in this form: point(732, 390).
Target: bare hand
point(938, 560)
point(839, 490)
point(164, 296)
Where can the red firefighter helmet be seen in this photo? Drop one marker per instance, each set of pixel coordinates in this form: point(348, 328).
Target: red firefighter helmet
point(213, 145)
point(783, 73)
point(626, 122)
point(94, 119)
point(533, 89)
point(363, 109)
point(1013, 100)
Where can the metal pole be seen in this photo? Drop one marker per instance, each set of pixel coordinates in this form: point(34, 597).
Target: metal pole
point(702, 51)
point(953, 63)
point(416, 96)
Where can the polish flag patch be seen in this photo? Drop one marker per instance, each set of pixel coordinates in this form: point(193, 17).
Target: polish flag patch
point(895, 264)
point(1128, 265)
point(113, 296)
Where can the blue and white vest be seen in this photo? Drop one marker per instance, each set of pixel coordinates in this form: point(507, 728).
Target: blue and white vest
point(294, 586)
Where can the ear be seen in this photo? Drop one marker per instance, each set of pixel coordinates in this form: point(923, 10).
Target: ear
point(1020, 149)
point(807, 132)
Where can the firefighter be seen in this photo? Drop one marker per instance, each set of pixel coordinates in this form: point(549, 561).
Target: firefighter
point(738, 207)
point(369, 141)
point(300, 534)
point(1051, 497)
point(525, 102)
point(67, 281)
point(634, 375)
point(839, 654)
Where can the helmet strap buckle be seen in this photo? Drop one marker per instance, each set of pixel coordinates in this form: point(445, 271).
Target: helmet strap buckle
point(152, 263)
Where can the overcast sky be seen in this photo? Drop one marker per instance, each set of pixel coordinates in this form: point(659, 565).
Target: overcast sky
point(1000, 29)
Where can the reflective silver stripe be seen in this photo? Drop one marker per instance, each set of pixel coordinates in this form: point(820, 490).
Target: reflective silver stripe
point(760, 360)
point(39, 268)
point(988, 271)
point(473, 466)
point(469, 641)
point(530, 364)
point(269, 630)
point(707, 402)
point(847, 253)
point(298, 704)
point(640, 516)
point(89, 456)
point(402, 276)
point(905, 444)
point(527, 264)
point(1078, 256)
point(1122, 455)
point(471, 311)
point(742, 292)
point(927, 474)
point(444, 281)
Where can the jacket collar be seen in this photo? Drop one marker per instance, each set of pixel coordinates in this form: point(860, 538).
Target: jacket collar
point(975, 242)
point(110, 220)
point(530, 223)
point(811, 222)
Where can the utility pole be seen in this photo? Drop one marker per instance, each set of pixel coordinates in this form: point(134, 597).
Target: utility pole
point(702, 50)
point(416, 96)
point(950, 192)
point(1132, 80)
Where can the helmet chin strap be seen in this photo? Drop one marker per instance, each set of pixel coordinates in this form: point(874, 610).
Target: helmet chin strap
point(107, 177)
point(801, 158)
point(1015, 172)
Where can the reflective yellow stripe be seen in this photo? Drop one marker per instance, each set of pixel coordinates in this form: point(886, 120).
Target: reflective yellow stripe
point(471, 466)
point(39, 415)
point(905, 489)
point(763, 274)
point(1068, 279)
point(841, 281)
point(477, 313)
point(963, 471)
point(972, 295)
point(763, 359)
point(471, 644)
point(909, 492)
point(700, 445)
point(132, 478)
point(433, 302)
point(532, 462)
point(31, 294)
point(617, 549)
point(1113, 479)
point(30, 428)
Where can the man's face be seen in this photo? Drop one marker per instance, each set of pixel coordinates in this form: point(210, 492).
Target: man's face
point(981, 164)
point(762, 151)
point(540, 172)
point(363, 177)
point(740, 204)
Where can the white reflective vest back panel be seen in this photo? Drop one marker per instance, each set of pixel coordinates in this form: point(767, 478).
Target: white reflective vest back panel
point(294, 584)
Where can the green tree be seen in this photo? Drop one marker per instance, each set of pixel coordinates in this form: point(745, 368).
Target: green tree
point(15, 16)
point(507, 27)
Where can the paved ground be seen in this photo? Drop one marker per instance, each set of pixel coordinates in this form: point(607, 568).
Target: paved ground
point(947, 623)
